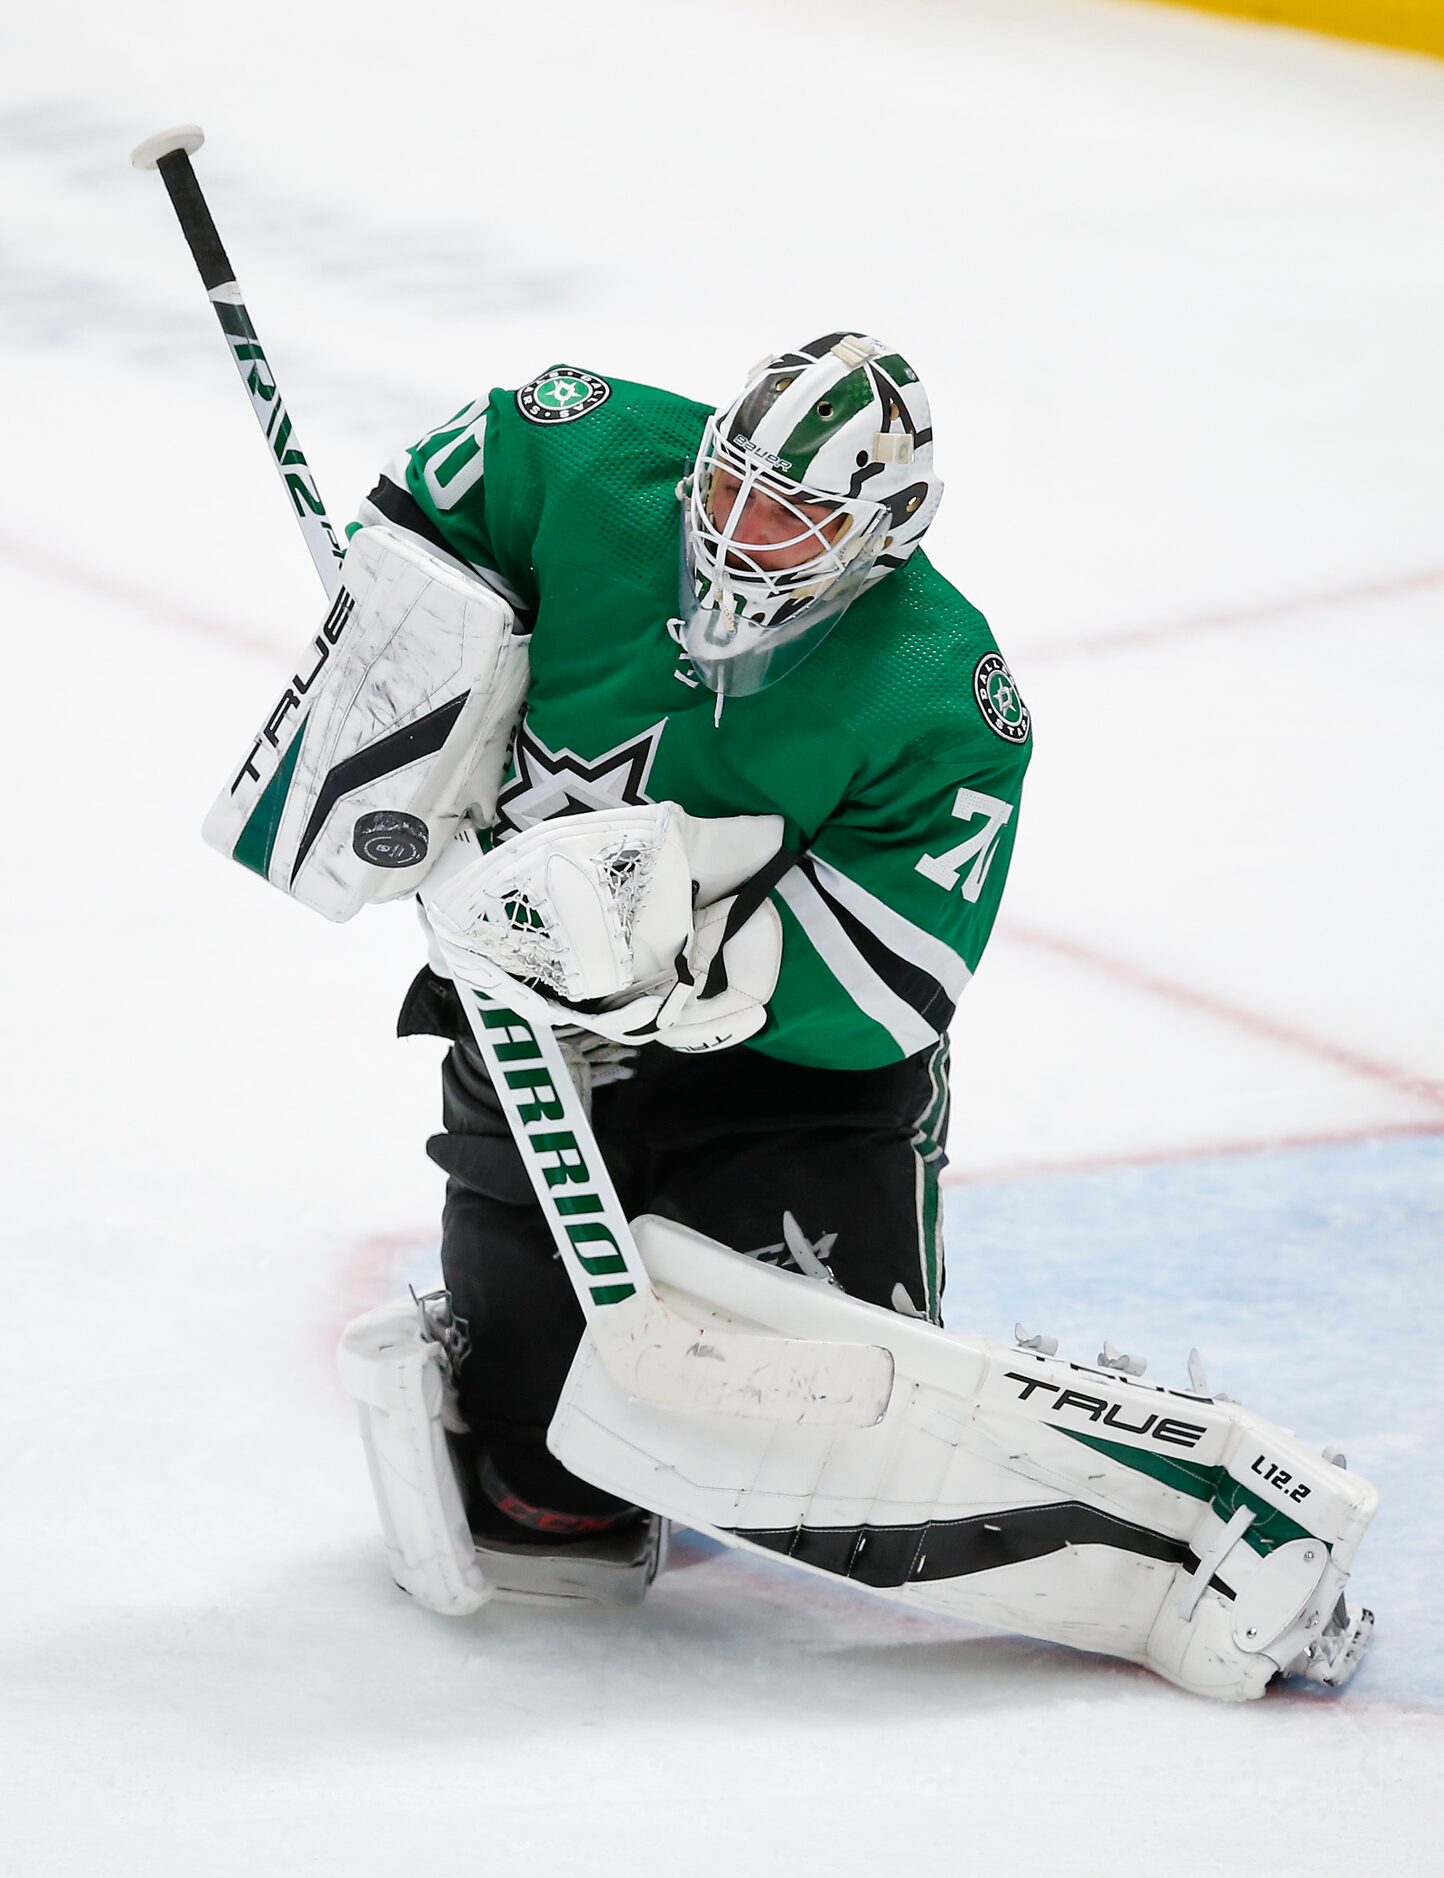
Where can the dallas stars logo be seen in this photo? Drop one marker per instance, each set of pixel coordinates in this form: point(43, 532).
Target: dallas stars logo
point(561, 394)
point(1003, 709)
point(547, 783)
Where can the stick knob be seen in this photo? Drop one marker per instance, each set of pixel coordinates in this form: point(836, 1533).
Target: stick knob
point(187, 137)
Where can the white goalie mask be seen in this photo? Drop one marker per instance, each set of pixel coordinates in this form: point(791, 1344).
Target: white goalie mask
point(809, 487)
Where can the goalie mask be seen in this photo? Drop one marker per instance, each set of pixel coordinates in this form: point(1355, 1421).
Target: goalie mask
point(807, 489)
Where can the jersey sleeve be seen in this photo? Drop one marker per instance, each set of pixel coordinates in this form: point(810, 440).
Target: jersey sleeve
point(886, 915)
point(462, 489)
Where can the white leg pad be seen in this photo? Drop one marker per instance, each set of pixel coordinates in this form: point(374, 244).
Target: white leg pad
point(1074, 1504)
point(397, 1379)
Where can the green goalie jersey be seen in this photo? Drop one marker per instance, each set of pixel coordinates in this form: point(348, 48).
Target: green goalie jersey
point(895, 751)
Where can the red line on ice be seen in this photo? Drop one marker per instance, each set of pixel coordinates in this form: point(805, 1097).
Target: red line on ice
point(1188, 1151)
point(161, 609)
point(1253, 1023)
point(1261, 615)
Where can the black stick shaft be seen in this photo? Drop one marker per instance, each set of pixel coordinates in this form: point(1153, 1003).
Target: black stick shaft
point(202, 237)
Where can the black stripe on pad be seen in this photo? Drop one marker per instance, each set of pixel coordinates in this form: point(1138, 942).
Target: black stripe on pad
point(423, 738)
point(886, 1557)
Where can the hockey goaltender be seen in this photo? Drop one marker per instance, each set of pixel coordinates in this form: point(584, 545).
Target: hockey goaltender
point(707, 782)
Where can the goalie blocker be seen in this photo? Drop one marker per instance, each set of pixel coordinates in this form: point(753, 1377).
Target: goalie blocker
point(391, 730)
point(1061, 1501)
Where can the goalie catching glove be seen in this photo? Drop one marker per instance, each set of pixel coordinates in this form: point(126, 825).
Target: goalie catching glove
point(650, 923)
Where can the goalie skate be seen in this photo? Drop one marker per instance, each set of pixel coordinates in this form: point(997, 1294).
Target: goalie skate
point(610, 1568)
point(395, 1363)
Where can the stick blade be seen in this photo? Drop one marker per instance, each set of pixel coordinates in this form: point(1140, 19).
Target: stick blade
point(148, 153)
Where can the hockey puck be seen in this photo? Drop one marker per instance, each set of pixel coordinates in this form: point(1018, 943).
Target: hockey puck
point(387, 838)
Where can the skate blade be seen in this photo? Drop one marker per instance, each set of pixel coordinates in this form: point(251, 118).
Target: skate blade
point(611, 1572)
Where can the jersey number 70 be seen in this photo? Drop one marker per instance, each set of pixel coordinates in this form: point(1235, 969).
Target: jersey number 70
point(976, 853)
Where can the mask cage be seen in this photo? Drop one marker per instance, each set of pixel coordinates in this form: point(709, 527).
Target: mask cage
point(726, 561)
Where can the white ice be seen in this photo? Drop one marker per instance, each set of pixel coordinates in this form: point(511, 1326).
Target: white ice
point(1176, 285)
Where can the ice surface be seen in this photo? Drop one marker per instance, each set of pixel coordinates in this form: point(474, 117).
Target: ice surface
point(1173, 283)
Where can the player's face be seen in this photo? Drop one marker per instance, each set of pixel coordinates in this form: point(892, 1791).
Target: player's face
point(765, 529)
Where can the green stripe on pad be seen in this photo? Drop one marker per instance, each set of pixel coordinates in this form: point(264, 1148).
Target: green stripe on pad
point(1270, 1527)
point(1189, 1477)
point(257, 841)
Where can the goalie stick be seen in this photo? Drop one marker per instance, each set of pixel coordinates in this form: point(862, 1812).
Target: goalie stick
point(650, 1350)
point(169, 152)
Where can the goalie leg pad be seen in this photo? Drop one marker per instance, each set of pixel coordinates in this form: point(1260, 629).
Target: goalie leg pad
point(397, 1379)
point(397, 1376)
point(1053, 1499)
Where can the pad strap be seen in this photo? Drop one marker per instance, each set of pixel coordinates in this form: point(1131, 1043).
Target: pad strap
point(747, 900)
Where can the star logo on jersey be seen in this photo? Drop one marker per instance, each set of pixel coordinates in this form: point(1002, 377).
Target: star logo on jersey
point(547, 783)
point(561, 394)
point(1003, 709)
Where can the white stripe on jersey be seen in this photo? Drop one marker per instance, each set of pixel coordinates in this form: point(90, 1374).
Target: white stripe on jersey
point(898, 934)
point(850, 968)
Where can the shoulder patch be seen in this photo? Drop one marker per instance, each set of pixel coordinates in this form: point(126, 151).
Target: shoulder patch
point(1004, 711)
point(561, 394)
